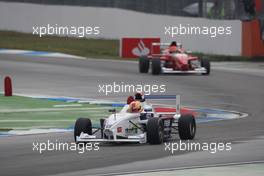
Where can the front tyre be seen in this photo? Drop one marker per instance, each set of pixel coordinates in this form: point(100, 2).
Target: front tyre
point(143, 64)
point(155, 133)
point(206, 64)
point(156, 66)
point(187, 127)
point(82, 125)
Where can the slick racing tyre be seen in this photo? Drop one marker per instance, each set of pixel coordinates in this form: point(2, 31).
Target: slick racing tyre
point(187, 127)
point(156, 66)
point(206, 64)
point(82, 125)
point(143, 64)
point(155, 133)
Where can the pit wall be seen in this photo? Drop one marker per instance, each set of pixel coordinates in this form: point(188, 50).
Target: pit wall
point(117, 23)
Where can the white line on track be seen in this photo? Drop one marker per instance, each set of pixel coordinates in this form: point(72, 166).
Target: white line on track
point(48, 120)
point(183, 168)
point(51, 109)
point(36, 120)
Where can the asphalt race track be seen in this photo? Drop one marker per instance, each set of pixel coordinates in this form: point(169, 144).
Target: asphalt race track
point(239, 89)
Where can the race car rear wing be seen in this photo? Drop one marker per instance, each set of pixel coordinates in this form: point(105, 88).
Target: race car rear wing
point(165, 44)
point(159, 45)
point(177, 99)
point(153, 45)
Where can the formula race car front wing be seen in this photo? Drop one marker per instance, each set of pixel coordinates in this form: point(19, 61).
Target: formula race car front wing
point(197, 70)
point(84, 137)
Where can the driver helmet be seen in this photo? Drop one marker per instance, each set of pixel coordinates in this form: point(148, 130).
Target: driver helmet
point(173, 49)
point(135, 107)
point(174, 43)
point(130, 99)
point(139, 97)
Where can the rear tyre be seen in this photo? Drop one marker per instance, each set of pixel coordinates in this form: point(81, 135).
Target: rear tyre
point(206, 64)
point(156, 66)
point(82, 125)
point(143, 64)
point(187, 127)
point(155, 133)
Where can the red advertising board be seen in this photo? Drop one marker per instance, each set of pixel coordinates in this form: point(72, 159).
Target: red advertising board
point(258, 4)
point(136, 47)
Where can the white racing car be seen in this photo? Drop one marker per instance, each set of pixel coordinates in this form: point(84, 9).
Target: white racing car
point(144, 126)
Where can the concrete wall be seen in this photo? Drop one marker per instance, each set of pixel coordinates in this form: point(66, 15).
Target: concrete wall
point(117, 23)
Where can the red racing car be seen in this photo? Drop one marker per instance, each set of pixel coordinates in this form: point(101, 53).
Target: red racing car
point(173, 59)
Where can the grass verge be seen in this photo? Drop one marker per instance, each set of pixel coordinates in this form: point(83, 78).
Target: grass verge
point(30, 113)
point(94, 48)
point(226, 58)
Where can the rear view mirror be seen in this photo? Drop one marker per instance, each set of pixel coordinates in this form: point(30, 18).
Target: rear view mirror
point(112, 110)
